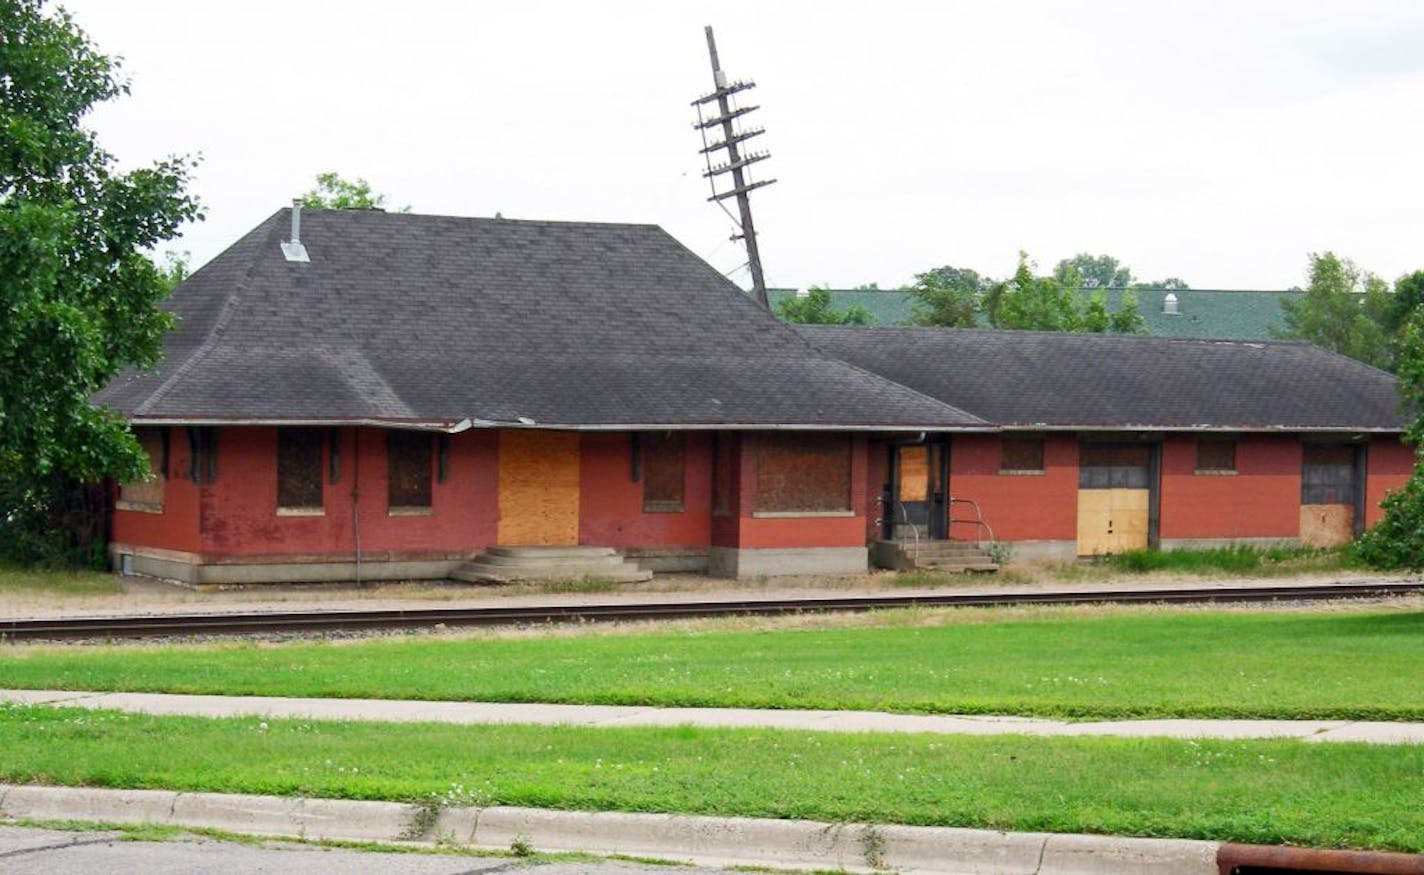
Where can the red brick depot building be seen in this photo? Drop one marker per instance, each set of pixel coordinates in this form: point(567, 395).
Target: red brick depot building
point(384, 395)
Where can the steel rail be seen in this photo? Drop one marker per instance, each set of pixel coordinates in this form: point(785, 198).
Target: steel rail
point(257, 623)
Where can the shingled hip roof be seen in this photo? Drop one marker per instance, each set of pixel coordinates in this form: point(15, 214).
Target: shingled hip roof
point(1053, 380)
point(444, 322)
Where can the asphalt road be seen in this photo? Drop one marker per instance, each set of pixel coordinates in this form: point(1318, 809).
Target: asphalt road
point(25, 850)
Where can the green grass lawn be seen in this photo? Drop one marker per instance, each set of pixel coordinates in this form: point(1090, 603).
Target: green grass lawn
point(1089, 663)
point(1258, 791)
point(15, 578)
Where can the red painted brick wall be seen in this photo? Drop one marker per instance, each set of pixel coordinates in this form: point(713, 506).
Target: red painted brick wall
point(611, 503)
point(177, 527)
point(749, 531)
point(1389, 465)
point(1261, 500)
point(1018, 507)
point(239, 511)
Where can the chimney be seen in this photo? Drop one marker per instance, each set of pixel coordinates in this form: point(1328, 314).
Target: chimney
point(293, 250)
point(1169, 305)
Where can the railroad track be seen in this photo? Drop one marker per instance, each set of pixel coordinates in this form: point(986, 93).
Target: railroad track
point(258, 623)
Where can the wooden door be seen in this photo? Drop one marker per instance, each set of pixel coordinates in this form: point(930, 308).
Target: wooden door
point(1112, 520)
point(1331, 500)
point(538, 488)
point(1116, 481)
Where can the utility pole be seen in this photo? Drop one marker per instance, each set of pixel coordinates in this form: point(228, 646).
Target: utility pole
point(736, 163)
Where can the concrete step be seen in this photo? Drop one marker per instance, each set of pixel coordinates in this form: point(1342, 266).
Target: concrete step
point(540, 551)
point(955, 566)
point(943, 548)
point(514, 564)
point(952, 556)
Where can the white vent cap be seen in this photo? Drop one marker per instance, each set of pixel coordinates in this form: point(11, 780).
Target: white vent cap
point(293, 250)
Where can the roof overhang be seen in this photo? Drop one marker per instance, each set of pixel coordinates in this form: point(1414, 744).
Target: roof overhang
point(455, 427)
point(1198, 429)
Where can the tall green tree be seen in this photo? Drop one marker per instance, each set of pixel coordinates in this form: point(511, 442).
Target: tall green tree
point(335, 192)
point(947, 297)
point(80, 296)
point(1408, 298)
point(1343, 309)
point(1056, 303)
point(1397, 540)
point(815, 309)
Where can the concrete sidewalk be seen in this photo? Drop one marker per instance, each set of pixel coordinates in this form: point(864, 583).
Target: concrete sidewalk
point(605, 716)
point(701, 840)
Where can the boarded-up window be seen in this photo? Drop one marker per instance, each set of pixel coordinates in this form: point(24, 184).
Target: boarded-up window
point(1328, 474)
point(1216, 456)
point(1114, 466)
point(408, 459)
point(724, 474)
point(1019, 455)
point(148, 494)
point(806, 473)
point(663, 472)
point(299, 468)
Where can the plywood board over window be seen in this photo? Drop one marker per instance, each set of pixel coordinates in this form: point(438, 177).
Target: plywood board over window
point(1216, 455)
point(803, 473)
point(408, 465)
point(538, 488)
point(147, 495)
point(663, 472)
point(1021, 455)
point(299, 471)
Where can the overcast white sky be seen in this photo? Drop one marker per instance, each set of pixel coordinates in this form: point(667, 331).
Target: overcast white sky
point(1215, 141)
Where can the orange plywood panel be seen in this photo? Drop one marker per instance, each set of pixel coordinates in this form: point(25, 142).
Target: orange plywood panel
point(914, 473)
point(538, 488)
point(1112, 521)
point(1326, 525)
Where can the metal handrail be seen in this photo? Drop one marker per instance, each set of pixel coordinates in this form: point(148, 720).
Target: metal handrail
point(977, 521)
point(880, 500)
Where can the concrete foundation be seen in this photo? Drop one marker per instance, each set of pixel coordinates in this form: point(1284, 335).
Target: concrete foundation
point(194, 572)
point(689, 561)
point(1041, 551)
point(733, 562)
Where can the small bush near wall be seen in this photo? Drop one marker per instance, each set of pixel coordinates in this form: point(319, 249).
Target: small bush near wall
point(1397, 540)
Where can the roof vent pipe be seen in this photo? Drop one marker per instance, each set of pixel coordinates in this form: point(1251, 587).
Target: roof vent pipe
point(293, 250)
point(1169, 305)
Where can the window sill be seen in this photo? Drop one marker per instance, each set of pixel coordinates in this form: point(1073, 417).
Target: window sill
point(409, 511)
point(1015, 472)
point(799, 514)
point(301, 511)
point(663, 507)
point(1205, 472)
point(138, 506)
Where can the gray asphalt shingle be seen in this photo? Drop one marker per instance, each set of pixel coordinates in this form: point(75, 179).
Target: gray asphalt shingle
point(434, 319)
point(1055, 380)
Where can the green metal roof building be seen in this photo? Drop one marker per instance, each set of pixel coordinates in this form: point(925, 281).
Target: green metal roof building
point(1213, 313)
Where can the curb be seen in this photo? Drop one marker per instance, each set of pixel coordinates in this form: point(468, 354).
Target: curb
point(721, 841)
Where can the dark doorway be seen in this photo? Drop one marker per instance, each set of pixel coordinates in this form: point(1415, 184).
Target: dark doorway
point(916, 494)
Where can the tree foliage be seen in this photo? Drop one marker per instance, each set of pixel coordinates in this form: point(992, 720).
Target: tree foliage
point(1397, 540)
point(1343, 309)
point(1092, 272)
point(80, 297)
point(335, 192)
point(1056, 303)
point(947, 297)
point(815, 309)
